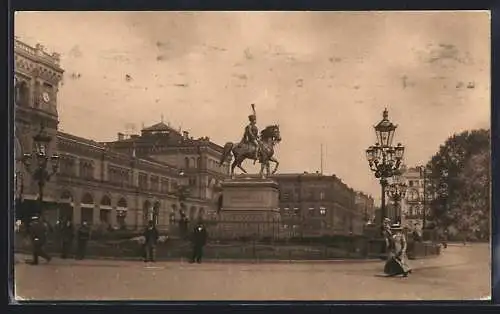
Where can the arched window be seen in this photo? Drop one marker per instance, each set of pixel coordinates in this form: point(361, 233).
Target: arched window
point(105, 210)
point(66, 206)
point(21, 94)
point(87, 208)
point(186, 163)
point(147, 211)
point(156, 213)
point(121, 213)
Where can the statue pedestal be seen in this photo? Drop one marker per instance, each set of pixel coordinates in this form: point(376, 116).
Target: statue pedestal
point(250, 208)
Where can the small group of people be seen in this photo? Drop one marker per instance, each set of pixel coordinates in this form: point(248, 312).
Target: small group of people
point(198, 239)
point(38, 231)
point(67, 234)
point(396, 244)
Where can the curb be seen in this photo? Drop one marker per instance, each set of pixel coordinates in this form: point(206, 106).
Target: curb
point(231, 261)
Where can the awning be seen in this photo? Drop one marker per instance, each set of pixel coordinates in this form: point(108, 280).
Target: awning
point(122, 209)
point(106, 207)
point(82, 205)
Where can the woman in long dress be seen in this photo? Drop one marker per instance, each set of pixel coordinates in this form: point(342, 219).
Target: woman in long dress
point(397, 261)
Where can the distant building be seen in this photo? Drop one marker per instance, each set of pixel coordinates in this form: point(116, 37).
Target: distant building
point(197, 158)
point(365, 205)
point(413, 204)
point(315, 205)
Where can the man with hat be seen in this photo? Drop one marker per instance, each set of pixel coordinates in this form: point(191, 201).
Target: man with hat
point(199, 239)
point(82, 238)
point(251, 135)
point(397, 262)
point(38, 233)
point(151, 236)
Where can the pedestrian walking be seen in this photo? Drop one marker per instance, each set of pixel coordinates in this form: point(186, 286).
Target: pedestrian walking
point(198, 239)
point(397, 262)
point(38, 233)
point(151, 239)
point(67, 232)
point(83, 236)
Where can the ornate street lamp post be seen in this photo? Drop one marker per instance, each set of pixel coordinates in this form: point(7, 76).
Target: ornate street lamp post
point(383, 158)
point(397, 191)
point(40, 173)
point(183, 192)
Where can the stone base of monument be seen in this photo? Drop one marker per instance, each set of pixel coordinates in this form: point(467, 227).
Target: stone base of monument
point(250, 209)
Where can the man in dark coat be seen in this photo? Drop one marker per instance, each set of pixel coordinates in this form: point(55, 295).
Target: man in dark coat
point(397, 261)
point(67, 234)
point(151, 239)
point(199, 239)
point(38, 233)
point(82, 237)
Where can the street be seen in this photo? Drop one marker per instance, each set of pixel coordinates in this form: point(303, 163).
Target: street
point(460, 273)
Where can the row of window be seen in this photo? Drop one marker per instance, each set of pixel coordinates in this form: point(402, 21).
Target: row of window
point(307, 195)
point(415, 183)
point(211, 164)
point(311, 210)
point(414, 195)
point(118, 175)
point(311, 195)
point(415, 210)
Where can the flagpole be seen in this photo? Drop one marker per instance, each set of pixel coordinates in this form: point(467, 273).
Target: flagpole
point(321, 159)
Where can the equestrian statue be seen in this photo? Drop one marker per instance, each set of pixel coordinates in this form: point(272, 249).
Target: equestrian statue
point(254, 146)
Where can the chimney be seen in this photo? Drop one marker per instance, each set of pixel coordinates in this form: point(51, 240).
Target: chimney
point(121, 136)
point(185, 135)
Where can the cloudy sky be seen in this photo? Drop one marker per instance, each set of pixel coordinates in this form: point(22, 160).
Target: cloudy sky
point(324, 77)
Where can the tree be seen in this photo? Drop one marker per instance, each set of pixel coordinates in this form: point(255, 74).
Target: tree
point(459, 183)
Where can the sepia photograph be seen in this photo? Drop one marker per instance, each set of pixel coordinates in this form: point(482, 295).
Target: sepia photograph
point(251, 156)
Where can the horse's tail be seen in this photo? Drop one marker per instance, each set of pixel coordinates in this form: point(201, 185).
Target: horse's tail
point(225, 153)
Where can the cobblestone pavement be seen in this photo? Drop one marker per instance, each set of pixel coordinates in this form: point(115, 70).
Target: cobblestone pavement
point(460, 273)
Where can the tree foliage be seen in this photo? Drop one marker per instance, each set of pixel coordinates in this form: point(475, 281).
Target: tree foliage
point(459, 183)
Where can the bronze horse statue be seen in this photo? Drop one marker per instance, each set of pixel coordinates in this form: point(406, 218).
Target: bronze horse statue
point(269, 137)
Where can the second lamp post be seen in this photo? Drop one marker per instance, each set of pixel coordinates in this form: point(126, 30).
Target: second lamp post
point(383, 158)
point(40, 173)
point(397, 191)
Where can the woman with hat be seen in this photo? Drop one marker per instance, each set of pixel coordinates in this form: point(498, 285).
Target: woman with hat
point(397, 262)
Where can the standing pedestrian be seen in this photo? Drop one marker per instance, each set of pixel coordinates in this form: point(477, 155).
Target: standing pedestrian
point(199, 239)
point(38, 233)
point(83, 236)
point(151, 239)
point(387, 234)
point(67, 234)
point(397, 261)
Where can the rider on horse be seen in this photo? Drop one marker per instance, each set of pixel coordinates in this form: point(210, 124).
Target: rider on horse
point(251, 135)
